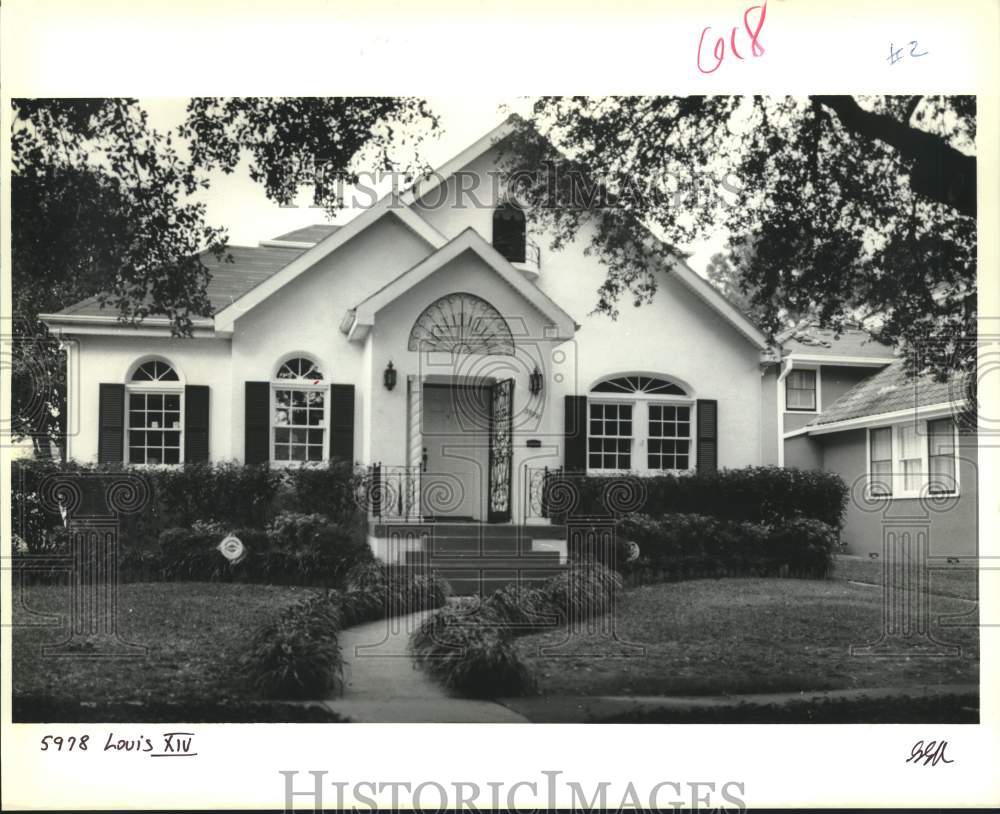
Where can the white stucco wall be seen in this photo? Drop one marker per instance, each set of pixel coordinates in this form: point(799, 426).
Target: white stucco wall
point(108, 359)
point(678, 335)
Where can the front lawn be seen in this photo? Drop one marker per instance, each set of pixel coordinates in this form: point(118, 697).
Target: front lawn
point(193, 632)
point(735, 636)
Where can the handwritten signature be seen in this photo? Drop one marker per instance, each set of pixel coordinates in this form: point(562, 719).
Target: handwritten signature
point(719, 51)
point(930, 753)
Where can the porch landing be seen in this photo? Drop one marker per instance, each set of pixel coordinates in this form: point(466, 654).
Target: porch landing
point(475, 558)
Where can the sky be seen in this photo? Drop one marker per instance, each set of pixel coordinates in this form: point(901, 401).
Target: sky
point(239, 203)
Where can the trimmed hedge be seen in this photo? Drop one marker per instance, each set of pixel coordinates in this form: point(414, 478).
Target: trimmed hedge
point(467, 647)
point(191, 508)
point(226, 493)
point(685, 545)
point(755, 494)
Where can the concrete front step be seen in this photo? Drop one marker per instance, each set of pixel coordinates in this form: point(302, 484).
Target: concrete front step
point(468, 582)
point(474, 531)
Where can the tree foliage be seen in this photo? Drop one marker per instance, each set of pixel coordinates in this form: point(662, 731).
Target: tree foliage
point(857, 209)
point(105, 205)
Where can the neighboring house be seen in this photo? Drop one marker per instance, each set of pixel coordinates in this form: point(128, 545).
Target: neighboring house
point(448, 347)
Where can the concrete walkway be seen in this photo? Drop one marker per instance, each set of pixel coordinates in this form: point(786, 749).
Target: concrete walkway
point(382, 684)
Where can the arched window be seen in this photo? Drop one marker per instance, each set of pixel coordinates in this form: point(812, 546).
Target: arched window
point(639, 423)
point(510, 234)
point(461, 323)
point(155, 421)
point(298, 407)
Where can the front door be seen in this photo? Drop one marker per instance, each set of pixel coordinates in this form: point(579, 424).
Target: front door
point(501, 427)
point(455, 452)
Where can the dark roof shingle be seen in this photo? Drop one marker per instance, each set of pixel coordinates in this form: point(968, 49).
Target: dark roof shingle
point(309, 234)
point(814, 341)
point(890, 390)
point(229, 281)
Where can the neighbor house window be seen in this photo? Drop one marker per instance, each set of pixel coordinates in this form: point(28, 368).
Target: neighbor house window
point(912, 460)
point(880, 441)
point(800, 390)
point(299, 410)
point(155, 424)
point(639, 423)
point(941, 456)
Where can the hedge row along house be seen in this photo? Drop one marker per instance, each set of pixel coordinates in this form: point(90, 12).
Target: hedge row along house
point(448, 349)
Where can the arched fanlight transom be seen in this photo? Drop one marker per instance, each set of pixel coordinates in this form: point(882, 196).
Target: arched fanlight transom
point(462, 323)
point(155, 370)
point(650, 385)
point(300, 368)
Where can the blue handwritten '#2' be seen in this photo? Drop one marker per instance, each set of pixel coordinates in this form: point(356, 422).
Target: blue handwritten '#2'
point(896, 54)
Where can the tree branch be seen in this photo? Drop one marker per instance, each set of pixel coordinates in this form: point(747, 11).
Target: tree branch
point(939, 171)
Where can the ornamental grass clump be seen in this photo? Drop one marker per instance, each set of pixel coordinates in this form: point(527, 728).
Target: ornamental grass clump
point(470, 652)
point(297, 656)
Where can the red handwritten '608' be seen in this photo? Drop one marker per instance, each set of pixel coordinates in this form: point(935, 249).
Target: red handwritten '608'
point(756, 49)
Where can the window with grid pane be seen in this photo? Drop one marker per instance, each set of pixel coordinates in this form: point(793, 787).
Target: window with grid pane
point(880, 441)
point(609, 442)
point(941, 457)
point(299, 417)
point(800, 390)
point(910, 458)
point(299, 424)
point(154, 428)
point(669, 436)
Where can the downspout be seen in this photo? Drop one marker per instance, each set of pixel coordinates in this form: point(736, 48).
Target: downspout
point(786, 366)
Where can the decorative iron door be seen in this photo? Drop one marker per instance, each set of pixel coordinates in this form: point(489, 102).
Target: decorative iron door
point(501, 449)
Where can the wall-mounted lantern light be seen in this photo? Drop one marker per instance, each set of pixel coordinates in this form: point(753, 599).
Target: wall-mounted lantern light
point(389, 377)
point(535, 382)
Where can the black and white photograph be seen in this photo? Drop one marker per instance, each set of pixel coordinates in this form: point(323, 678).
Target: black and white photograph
point(643, 408)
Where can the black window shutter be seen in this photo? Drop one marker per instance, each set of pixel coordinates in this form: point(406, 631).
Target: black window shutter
point(195, 423)
point(708, 435)
point(342, 421)
point(111, 427)
point(575, 422)
point(257, 426)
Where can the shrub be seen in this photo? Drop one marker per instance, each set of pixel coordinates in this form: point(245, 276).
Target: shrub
point(583, 591)
point(189, 554)
point(756, 494)
point(227, 492)
point(297, 655)
point(312, 546)
point(330, 490)
point(522, 609)
point(694, 545)
point(470, 654)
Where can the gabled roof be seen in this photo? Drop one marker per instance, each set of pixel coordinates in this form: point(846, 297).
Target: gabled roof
point(362, 316)
point(390, 205)
point(229, 281)
point(891, 390)
point(308, 234)
point(811, 340)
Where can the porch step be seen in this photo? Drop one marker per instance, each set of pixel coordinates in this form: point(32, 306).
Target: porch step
point(476, 572)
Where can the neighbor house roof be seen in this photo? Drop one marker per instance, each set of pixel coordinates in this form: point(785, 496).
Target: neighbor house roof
point(308, 234)
point(810, 340)
point(250, 266)
point(890, 390)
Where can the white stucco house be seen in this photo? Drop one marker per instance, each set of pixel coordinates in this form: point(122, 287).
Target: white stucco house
point(448, 345)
